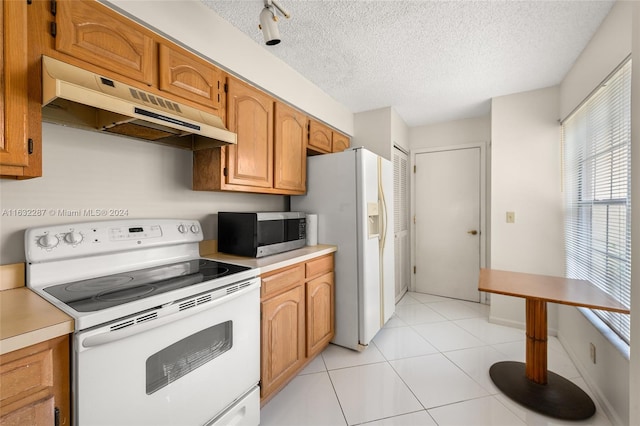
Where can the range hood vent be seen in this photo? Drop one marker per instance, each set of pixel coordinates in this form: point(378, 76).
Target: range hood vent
point(77, 97)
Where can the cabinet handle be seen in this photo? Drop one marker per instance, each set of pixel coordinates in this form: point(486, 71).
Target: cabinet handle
point(56, 416)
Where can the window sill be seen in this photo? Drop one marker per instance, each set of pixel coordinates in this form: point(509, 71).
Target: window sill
point(607, 333)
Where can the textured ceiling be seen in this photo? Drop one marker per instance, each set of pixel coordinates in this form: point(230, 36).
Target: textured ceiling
point(432, 61)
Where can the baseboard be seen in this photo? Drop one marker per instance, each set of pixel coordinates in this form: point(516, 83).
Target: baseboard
point(599, 396)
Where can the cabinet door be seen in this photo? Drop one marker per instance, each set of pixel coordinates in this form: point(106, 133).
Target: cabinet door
point(320, 313)
point(340, 142)
point(189, 77)
point(290, 149)
point(283, 338)
point(32, 379)
point(96, 34)
point(37, 413)
point(250, 115)
point(13, 84)
point(319, 137)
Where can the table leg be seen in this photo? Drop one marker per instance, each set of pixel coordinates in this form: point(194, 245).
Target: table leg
point(536, 359)
point(531, 384)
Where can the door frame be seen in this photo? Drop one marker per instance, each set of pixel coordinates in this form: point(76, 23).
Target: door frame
point(484, 191)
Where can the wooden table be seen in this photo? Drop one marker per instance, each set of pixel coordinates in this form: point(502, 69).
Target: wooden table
point(531, 384)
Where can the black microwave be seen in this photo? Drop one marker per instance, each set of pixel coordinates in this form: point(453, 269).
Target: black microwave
point(258, 234)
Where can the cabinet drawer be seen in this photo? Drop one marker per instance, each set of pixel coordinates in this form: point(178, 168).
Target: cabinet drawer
point(25, 380)
point(281, 280)
point(319, 266)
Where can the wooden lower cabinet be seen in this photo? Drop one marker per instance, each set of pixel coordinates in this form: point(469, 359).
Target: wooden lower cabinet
point(320, 313)
point(35, 384)
point(297, 320)
point(283, 338)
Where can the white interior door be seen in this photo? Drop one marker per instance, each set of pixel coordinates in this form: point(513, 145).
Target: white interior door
point(401, 222)
point(447, 224)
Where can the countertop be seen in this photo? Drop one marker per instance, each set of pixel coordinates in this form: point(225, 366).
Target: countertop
point(27, 319)
point(275, 261)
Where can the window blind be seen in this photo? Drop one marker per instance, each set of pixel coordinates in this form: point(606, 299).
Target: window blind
point(597, 185)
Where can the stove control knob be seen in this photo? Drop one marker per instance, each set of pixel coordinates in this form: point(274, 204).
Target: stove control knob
point(73, 237)
point(48, 241)
point(182, 229)
point(195, 229)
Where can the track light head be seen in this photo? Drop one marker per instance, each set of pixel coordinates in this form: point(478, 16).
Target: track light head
point(269, 21)
point(269, 26)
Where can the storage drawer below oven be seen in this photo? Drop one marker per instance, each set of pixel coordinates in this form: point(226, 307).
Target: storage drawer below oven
point(245, 412)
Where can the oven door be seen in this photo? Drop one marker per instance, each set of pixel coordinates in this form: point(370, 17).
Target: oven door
point(183, 364)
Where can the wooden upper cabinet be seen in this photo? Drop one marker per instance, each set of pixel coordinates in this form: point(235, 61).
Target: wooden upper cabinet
point(91, 32)
point(250, 115)
point(322, 139)
point(319, 137)
point(20, 93)
point(290, 148)
point(270, 156)
point(13, 83)
point(188, 76)
point(339, 142)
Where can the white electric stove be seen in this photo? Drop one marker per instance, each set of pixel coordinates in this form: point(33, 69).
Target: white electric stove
point(157, 328)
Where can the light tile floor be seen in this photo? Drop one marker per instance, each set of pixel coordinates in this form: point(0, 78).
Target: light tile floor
point(428, 366)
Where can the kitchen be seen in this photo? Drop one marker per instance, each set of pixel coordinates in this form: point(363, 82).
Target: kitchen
point(155, 181)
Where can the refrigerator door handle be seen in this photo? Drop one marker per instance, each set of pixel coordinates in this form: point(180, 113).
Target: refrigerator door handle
point(382, 237)
point(383, 208)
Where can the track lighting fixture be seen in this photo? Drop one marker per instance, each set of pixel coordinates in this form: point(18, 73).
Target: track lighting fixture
point(269, 21)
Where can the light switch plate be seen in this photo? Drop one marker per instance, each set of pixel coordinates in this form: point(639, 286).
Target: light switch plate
point(511, 217)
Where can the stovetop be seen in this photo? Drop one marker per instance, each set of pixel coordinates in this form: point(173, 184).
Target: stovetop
point(102, 271)
point(112, 290)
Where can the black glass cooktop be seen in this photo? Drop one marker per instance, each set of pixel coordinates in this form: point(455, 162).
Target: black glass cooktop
point(112, 290)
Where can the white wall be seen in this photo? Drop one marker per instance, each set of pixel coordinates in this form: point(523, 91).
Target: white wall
point(379, 130)
point(88, 170)
point(399, 132)
point(372, 130)
point(199, 28)
point(607, 48)
point(450, 133)
point(609, 377)
point(526, 179)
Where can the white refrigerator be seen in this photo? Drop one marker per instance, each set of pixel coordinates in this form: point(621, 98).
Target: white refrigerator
point(352, 194)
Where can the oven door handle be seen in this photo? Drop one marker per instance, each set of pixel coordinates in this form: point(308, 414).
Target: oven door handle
point(107, 336)
point(166, 314)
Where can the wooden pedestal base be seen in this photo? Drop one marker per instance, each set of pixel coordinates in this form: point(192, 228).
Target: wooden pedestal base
point(559, 397)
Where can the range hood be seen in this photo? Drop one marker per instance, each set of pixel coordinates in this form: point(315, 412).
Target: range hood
point(80, 98)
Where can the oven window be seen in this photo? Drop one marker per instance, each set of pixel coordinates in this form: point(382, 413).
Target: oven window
point(181, 358)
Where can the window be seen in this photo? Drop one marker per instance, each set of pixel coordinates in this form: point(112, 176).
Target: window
point(597, 182)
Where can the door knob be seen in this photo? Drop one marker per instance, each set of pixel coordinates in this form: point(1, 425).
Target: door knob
point(472, 232)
